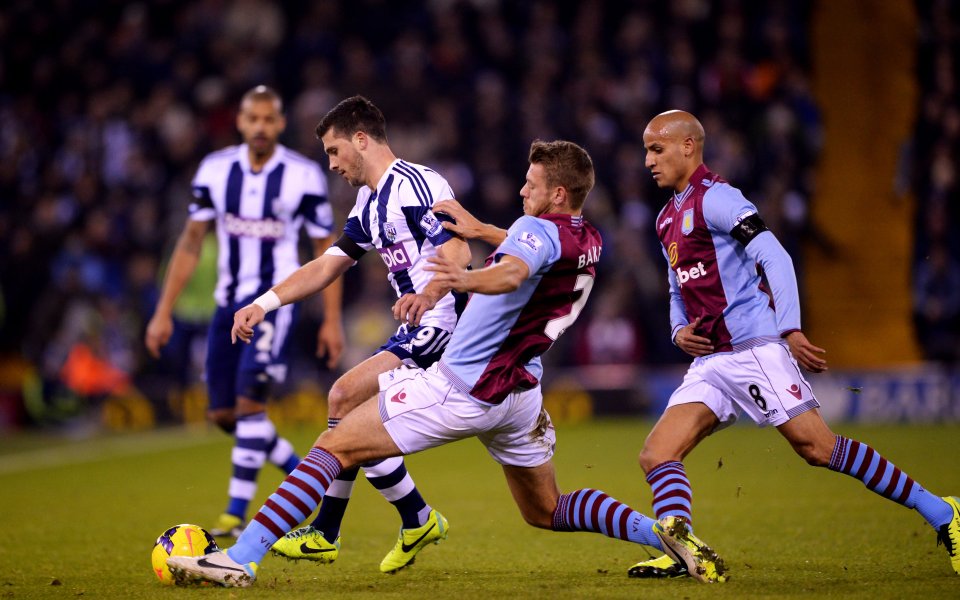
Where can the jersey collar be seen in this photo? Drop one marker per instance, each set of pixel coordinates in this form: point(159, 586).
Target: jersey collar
point(278, 154)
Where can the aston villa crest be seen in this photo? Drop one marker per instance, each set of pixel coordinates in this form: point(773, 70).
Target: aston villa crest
point(686, 226)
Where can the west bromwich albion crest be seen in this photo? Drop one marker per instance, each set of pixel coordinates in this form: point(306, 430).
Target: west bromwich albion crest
point(390, 231)
point(686, 226)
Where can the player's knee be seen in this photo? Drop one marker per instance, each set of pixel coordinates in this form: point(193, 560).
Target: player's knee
point(538, 517)
point(649, 458)
point(815, 455)
point(339, 400)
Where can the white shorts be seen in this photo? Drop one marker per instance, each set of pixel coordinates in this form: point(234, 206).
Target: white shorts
point(421, 409)
point(763, 381)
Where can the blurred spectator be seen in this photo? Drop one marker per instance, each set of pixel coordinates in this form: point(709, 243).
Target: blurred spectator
point(106, 109)
point(936, 300)
point(933, 156)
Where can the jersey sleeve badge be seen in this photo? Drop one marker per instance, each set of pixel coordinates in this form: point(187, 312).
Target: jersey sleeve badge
point(430, 224)
point(530, 240)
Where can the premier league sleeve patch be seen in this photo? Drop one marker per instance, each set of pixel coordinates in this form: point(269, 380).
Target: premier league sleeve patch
point(530, 240)
point(430, 224)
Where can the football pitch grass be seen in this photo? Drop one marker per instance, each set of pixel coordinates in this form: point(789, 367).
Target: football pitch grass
point(79, 519)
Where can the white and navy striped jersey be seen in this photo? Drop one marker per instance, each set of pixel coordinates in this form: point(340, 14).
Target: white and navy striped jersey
point(259, 216)
point(397, 220)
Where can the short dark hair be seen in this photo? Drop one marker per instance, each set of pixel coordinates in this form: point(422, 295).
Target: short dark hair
point(262, 92)
point(352, 115)
point(566, 165)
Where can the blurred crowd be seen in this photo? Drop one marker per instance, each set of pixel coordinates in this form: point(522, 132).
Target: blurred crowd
point(935, 170)
point(107, 107)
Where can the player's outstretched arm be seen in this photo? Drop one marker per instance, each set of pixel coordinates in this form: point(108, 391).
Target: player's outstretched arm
point(467, 226)
point(330, 337)
point(806, 353)
point(305, 281)
point(410, 308)
point(183, 263)
point(500, 278)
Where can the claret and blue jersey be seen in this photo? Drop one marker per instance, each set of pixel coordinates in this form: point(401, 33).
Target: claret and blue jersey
point(716, 249)
point(496, 347)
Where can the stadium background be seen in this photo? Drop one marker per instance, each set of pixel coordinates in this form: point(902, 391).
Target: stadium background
point(838, 119)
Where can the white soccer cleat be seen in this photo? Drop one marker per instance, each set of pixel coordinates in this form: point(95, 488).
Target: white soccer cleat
point(217, 567)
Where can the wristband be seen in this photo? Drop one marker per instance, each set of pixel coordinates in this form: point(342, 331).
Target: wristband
point(268, 301)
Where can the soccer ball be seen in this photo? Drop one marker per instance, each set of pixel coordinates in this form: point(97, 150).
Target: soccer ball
point(180, 540)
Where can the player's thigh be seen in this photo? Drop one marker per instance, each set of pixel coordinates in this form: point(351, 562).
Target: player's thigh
point(360, 383)
point(519, 432)
point(764, 381)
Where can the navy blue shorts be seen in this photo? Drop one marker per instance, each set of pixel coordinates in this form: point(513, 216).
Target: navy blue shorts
point(420, 346)
point(247, 369)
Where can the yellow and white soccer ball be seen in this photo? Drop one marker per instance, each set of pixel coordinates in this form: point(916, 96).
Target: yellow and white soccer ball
point(180, 540)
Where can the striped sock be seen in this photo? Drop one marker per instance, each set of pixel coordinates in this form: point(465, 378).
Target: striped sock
point(859, 460)
point(391, 478)
point(294, 500)
point(251, 439)
point(334, 505)
point(592, 510)
point(672, 494)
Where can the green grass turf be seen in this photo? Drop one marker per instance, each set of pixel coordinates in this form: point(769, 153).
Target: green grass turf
point(79, 518)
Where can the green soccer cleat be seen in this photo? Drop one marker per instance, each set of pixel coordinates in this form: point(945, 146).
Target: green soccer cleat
point(228, 526)
point(701, 562)
point(309, 544)
point(412, 541)
point(663, 567)
point(217, 567)
point(949, 533)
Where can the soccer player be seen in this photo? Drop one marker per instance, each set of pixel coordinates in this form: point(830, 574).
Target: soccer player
point(259, 194)
point(486, 385)
point(734, 306)
point(392, 214)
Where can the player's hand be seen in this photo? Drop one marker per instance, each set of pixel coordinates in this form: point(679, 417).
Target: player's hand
point(447, 274)
point(410, 308)
point(691, 343)
point(330, 341)
point(244, 320)
point(466, 225)
point(806, 353)
point(159, 330)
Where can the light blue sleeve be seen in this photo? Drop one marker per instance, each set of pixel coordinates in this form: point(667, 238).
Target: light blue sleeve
point(766, 251)
point(724, 207)
point(534, 241)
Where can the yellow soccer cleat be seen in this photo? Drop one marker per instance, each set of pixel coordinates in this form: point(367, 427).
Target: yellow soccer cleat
point(949, 533)
point(228, 526)
point(412, 541)
point(309, 544)
point(702, 563)
point(663, 567)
